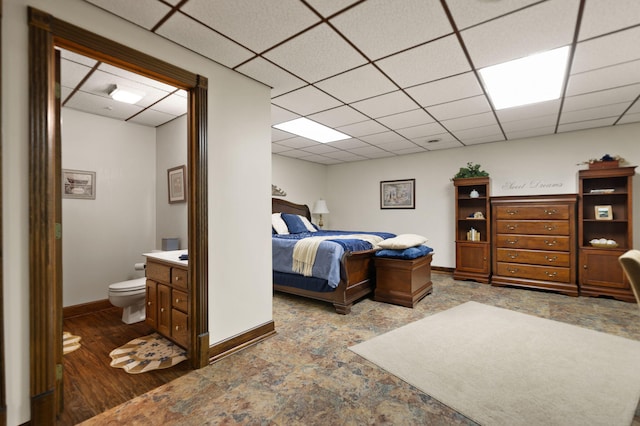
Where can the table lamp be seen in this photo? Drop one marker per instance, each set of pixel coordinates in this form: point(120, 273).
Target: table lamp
point(320, 208)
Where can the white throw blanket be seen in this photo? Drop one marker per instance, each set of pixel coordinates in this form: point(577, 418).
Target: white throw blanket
point(305, 250)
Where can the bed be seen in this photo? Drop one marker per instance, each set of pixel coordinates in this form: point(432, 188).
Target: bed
point(356, 278)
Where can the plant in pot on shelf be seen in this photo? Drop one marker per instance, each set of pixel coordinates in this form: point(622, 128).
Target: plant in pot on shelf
point(471, 171)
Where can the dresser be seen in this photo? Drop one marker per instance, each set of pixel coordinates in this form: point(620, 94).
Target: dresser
point(534, 242)
point(167, 299)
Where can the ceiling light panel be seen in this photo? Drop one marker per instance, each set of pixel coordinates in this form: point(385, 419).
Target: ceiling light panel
point(381, 27)
point(311, 130)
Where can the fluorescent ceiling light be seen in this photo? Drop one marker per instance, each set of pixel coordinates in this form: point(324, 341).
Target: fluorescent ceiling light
point(311, 130)
point(125, 94)
point(536, 78)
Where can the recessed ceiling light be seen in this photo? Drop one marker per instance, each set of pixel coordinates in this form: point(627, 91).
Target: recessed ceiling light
point(125, 94)
point(433, 140)
point(311, 130)
point(528, 80)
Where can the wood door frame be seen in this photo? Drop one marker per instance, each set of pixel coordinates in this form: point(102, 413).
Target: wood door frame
point(45, 281)
point(3, 399)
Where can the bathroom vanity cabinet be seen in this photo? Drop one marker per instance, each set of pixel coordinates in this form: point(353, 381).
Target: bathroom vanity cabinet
point(167, 300)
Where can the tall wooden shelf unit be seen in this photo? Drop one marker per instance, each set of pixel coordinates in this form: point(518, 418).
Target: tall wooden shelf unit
point(473, 261)
point(599, 270)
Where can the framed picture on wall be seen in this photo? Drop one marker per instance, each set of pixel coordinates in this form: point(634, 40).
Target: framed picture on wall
point(398, 194)
point(177, 184)
point(78, 184)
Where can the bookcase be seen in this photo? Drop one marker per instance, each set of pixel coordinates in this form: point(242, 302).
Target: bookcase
point(473, 213)
point(605, 213)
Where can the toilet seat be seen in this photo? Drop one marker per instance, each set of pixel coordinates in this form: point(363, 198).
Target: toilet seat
point(128, 286)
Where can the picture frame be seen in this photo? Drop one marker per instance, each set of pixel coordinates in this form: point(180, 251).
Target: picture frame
point(177, 184)
point(79, 184)
point(603, 213)
point(398, 194)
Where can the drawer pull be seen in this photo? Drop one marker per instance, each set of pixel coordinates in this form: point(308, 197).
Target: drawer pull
point(178, 300)
point(512, 270)
point(512, 242)
point(552, 211)
point(511, 227)
point(177, 327)
point(161, 309)
point(512, 212)
point(178, 278)
point(550, 227)
point(551, 274)
point(148, 303)
point(512, 255)
point(550, 243)
point(551, 258)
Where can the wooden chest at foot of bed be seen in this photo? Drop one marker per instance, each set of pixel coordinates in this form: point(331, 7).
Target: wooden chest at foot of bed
point(403, 282)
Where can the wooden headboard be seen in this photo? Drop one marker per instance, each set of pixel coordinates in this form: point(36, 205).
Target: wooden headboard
point(279, 205)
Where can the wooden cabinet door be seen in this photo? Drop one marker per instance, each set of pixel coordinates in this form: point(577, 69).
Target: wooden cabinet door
point(164, 310)
point(151, 309)
point(472, 257)
point(601, 268)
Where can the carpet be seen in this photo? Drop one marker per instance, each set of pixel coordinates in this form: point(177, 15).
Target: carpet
point(69, 342)
point(147, 353)
point(500, 367)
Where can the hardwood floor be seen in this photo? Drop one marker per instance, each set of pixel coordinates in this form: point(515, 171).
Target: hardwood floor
point(91, 385)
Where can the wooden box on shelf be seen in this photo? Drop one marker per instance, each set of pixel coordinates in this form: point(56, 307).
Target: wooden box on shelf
point(605, 189)
point(473, 248)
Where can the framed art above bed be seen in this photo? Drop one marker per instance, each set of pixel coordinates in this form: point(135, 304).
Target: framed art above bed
point(398, 194)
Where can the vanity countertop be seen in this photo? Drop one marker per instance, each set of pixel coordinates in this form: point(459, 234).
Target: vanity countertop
point(172, 257)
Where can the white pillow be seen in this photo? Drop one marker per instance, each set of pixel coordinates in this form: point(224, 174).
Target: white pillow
point(278, 224)
point(307, 224)
point(402, 241)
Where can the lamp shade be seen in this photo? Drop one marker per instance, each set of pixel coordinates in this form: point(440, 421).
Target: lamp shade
point(320, 207)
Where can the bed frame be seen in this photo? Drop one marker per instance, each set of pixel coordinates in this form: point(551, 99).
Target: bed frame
point(357, 272)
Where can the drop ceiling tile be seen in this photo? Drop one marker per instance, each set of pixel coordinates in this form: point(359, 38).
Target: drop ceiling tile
point(530, 133)
point(629, 118)
point(406, 119)
point(279, 135)
point(100, 83)
point(446, 90)
point(110, 69)
point(469, 121)
point(305, 101)
point(280, 115)
point(320, 148)
point(277, 148)
point(360, 83)
point(195, 36)
point(294, 153)
point(152, 118)
point(265, 72)
point(485, 133)
point(347, 144)
point(461, 108)
point(345, 156)
point(582, 125)
point(604, 78)
point(371, 152)
point(510, 37)
point(444, 145)
point(398, 145)
point(601, 17)
point(297, 142)
point(145, 13)
point(635, 108)
point(381, 27)
point(527, 111)
point(602, 97)
point(614, 111)
point(363, 128)
point(173, 104)
point(543, 121)
point(257, 25)
point(390, 103)
point(320, 159)
point(432, 61)
point(413, 150)
point(383, 138)
point(100, 105)
point(72, 73)
point(329, 7)
point(433, 140)
point(484, 139)
point(337, 117)
point(422, 131)
point(77, 58)
point(605, 51)
point(331, 54)
point(466, 13)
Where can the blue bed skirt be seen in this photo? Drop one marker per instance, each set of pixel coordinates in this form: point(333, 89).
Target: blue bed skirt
point(302, 282)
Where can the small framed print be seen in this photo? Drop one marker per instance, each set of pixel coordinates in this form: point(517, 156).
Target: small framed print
point(177, 185)
point(603, 213)
point(398, 194)
point(78, 184)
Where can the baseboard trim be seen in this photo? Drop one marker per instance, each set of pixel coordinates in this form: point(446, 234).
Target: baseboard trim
point(442, 269)
point(86, 308)
point(238, 342)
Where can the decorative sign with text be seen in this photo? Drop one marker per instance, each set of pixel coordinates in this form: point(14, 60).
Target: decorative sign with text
point(530, 186)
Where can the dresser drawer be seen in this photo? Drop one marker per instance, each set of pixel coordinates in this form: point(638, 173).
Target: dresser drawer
point(180, 327)
point(179, 300)
point(535, 257)
point(158, 272)
point(538, 227)
point(535, 242)
point(541, 211)
point(179, 278)
point(534, 272)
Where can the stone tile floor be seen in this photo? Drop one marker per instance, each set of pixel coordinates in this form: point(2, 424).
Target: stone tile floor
point(305, 374)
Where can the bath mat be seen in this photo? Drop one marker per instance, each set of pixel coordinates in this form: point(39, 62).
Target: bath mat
point(69, 342)
point(148, 353)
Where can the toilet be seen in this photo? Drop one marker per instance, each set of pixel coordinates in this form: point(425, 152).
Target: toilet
point(129, 295)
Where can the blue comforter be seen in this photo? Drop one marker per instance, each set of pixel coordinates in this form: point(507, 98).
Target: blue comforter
point(327, 263)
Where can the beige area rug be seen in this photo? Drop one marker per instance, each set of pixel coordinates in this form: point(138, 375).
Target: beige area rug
point(69, 342)
point(500, 367)
point(147, 353)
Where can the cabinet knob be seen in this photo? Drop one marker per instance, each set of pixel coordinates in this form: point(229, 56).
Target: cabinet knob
point(513, 270)
point(149, 303)
point(584, 266)
point(550, 227)
point(161, 309)
point(177, 327)
point(177, 300)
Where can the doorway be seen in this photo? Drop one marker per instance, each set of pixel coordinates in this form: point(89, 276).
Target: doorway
point(45, 233)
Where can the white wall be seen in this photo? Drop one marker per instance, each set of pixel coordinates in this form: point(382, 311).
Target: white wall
point(239, 178)
point(541, 165)
point(105, 237)
point(172, 220)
